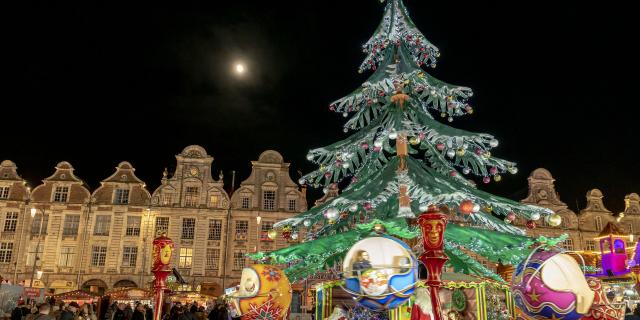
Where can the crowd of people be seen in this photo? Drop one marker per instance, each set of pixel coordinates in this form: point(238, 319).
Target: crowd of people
point(54, 311)
point(117, 311)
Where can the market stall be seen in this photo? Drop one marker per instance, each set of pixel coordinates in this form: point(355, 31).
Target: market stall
point(129, 296)
point(191, 296)
point(78, 296)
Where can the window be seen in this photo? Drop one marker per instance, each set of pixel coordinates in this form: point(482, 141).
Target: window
point(10, 222)
point(66, 257)
point(188, 228)
point(121, 196)
point(213, 258)
point(129, 256)
point(167, 199)
point(215, 229)
point(6, 249)
point(191, 196)
point(239, 260)
point(590, 245)
point(264, 231)
point(37, 220)
point(268, 200)
point(71, 225)
point(214, 200)
point(598, 223)
point(186, 255)
point(61, 194)
point(245, 202)
point(162, 225)
point(102, 225)
point(631, 228)
point(33, 251)
point(567, 244)
point(292, 205)
point(242, 229)
point(133, 226)
point(4, 192)
point(98, 256)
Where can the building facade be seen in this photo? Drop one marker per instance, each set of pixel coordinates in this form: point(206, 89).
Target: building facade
point(101, 239)
point(583, 227)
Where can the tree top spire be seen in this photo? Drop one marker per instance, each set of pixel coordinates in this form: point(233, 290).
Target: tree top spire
point(397, 29)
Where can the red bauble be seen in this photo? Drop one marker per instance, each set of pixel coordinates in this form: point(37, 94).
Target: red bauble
point(365, 146)
point(531, 224)
point(327, 174)
point(493, 170)
point(479, 151)
point(511, 216)
point(486, 179)
point(466, 206)
point(453, 173)
point(367, 206)
point(440, 146)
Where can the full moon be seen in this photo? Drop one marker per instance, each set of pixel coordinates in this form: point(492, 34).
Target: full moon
point(240, 68)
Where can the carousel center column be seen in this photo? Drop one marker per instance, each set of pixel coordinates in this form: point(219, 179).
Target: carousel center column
point(432, 224)
point(162, 251)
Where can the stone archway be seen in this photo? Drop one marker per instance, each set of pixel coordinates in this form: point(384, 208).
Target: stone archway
point(96, 286)
point(125, 283)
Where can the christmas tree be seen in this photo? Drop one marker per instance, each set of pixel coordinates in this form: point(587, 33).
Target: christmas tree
point(400, 159)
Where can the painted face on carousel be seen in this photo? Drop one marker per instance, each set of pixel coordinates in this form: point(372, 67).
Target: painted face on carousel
point(264, 292)
point(380, 272)
point(434, 233)
point(551, 286)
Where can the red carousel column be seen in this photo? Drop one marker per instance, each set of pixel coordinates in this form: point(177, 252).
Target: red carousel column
point(162, 250)
point(433, 223)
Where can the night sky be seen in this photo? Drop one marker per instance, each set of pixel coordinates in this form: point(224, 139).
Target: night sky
point(96, 83)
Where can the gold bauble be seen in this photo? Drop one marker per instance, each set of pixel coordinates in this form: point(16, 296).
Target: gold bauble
point(460, 152)
point(414, 140)
point(486, 155)
point(443, 114)
point(470, 111)
point(272, 234)
point(554, 220)
point(487, 209)
point(497, 177)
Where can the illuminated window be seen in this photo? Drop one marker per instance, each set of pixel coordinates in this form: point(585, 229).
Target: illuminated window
point(35, 226)
point(121, 196)
point(162, 225)
point(239, 260)
point(590, 245)
point(245, 202)
point(188, 228)
point(191, 196)
point(292, 205)
point(567, 244)
point(10, 222)
point(98, 256)
point(598, 223)
point(102, 226)
point(6, 249)
point(4, 192)
point(166, 199)
point(61, 194)
point(33, 251)
point(215, 229)
point(71, 225)
point(264, 230)
point(186, 256)
point(66, 257)
point(213, 258)
point(214, 200)
point(129, 256)
point(133, 226)
point(268, 200)
point(242, 229)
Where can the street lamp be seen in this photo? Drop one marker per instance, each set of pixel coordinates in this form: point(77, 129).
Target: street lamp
point(35, 261)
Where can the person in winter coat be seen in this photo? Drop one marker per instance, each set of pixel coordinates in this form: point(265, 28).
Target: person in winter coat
point(148, 313)
point(70, 312)
point(139, 312)
point(43, 312)
point(18, 312)
point(120, 314)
